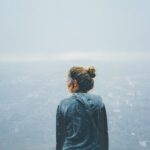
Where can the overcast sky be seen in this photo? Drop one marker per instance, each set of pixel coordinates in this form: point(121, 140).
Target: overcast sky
point(29, 26)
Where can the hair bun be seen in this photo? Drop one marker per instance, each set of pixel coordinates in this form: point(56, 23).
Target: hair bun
point(91, 71)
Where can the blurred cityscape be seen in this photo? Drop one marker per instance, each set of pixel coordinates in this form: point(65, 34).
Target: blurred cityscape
point(30, 93)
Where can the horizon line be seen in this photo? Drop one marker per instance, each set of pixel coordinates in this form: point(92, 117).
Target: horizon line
point(67, 56)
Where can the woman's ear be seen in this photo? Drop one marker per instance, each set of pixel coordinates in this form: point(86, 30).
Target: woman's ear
point(75, 83)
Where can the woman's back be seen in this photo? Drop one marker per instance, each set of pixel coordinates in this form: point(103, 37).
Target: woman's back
point(81, 123)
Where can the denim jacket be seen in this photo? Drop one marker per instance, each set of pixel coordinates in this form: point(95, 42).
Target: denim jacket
point(81, 123)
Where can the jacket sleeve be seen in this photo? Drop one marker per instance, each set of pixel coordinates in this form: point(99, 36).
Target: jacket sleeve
point(60, 129)
point(103, 129)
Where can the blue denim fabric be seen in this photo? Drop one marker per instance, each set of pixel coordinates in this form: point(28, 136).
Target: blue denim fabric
point(77, 129)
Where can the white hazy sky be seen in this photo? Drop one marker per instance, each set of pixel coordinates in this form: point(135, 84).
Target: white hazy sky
point(94, 26)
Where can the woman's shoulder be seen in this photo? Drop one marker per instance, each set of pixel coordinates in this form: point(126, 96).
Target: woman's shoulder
point(65, 102)
point(97, 99)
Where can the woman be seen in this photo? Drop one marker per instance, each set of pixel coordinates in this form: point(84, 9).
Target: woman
point(81, 119)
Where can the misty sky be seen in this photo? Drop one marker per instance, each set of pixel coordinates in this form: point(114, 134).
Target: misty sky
point(74, 25)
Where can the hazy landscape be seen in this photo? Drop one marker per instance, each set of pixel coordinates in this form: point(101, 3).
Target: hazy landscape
point(41, 40)
point(30, 93)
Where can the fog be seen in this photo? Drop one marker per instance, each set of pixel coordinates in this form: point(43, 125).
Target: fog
point(41, 40)
point(98, 25)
